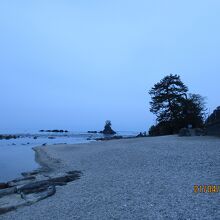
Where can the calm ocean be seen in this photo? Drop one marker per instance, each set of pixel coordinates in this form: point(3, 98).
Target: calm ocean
point(17, 156)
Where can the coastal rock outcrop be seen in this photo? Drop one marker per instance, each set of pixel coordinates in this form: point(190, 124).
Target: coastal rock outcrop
point(108, 129)
point(55, 131)
point(92, 132)
point(213, 123)
point(7, 137)
point(33, 187)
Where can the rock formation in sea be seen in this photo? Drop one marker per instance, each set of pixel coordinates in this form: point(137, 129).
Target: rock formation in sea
point(108, 129)
point(55, 131)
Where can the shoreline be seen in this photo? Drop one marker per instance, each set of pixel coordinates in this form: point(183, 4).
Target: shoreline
point(48, 164)
point(45, 162)
point(36, 185)
point(127, 177)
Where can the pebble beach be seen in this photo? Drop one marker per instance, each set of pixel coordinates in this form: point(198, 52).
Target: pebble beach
point(142, 178)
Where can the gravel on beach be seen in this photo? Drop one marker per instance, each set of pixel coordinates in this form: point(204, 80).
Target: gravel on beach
point(145, 178)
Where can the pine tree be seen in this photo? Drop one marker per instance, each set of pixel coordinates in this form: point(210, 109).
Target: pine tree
point(173, 107)
point(167, 96)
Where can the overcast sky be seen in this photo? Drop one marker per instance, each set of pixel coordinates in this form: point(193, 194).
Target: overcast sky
point(74, 64)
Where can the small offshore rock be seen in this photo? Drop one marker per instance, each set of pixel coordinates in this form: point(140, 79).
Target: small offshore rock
point(7, 137)
point(92, 132)
point(55, 131)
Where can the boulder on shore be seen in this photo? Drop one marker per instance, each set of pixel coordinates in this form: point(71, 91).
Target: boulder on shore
point(108, 138)
point(186, 132)
point(144, 134)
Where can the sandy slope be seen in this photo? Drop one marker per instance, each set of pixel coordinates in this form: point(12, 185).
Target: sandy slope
point(146, 178)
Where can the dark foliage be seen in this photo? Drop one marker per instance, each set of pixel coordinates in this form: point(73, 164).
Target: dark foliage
point(174, 107)
point(214, 117)
point(166, 97)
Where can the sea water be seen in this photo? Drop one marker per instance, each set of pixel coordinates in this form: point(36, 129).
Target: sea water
point(17, 155)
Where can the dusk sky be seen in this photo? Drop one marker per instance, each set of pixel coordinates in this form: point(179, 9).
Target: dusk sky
point(74, 64)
